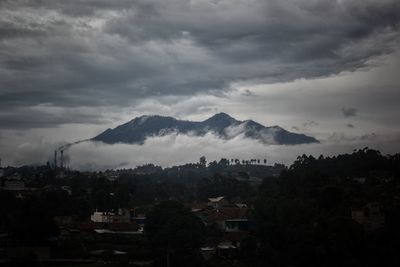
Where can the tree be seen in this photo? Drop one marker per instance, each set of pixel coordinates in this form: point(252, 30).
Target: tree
point(173, 228)
point(203, 161)
point(213, 166)
point(122, 197)
point(224, 162)
point(103, 201)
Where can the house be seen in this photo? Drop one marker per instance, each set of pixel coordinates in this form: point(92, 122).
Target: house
point(67, 189)
point(140, 219)
point(226, 250)
point(217, 202)
point(241, 205)
point(101, 217)
point(234, 238)
point(14, 184)
point(207, 252)
point(237, 225)
point(64, 220)
point(371, 216)
point(217, 218)
point(123, 215)
point(228, 218)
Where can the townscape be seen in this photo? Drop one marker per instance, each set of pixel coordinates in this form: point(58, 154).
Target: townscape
point(333, 211)
point(199, 133)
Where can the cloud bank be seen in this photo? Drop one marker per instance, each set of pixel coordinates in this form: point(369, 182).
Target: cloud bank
point(71, 69)
point(178, 149)
point(71, 55)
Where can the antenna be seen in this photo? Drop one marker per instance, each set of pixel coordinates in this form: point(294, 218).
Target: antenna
point(62, 159)
point(55, 159)
point(61, 150)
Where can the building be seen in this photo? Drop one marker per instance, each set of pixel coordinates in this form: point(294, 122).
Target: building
point(237, 225)
point(14, 183)
point(217, 202)
point(122, 216)
point(371, 216)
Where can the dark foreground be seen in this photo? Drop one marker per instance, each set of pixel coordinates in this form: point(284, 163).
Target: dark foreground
point(339, 211)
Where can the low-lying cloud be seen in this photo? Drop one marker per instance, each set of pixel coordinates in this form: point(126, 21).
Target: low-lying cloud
point(176, 149)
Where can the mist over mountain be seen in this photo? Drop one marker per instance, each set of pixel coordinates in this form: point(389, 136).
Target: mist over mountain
point(224, 126)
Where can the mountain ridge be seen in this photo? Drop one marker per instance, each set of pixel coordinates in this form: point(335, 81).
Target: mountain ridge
point(137, 130)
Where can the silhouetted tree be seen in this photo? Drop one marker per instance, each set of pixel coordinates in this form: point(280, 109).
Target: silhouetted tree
point(203, 161)
point(173, 228)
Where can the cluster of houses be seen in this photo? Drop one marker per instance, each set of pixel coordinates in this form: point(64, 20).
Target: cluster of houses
point(233, 220)
point(371, 216)
point(13, 183)
point(17, 185)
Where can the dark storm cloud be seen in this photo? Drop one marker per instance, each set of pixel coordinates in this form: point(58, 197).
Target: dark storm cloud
point(98, 53)
point(349, 112)
point(258, 30)
point(27, 118)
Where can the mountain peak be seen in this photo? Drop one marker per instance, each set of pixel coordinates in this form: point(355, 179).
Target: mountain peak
point(220, 117)
point(220, 124)
point(145, 118)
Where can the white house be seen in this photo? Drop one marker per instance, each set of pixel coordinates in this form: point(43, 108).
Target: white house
point(217, 202)
point(123, 215)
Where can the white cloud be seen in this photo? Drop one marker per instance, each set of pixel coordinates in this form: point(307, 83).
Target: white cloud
point(179, 149)
point(173, 149)
point(75, 69)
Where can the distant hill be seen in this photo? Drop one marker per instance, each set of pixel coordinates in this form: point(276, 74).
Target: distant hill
point(137, 130)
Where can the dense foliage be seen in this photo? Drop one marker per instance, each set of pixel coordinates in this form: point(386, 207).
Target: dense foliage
point(305, 217)
point(174, 229)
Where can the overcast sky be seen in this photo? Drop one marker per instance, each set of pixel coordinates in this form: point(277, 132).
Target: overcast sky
point(71, 69)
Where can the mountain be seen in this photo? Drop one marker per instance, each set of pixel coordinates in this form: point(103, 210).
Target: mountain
point(221, 124)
